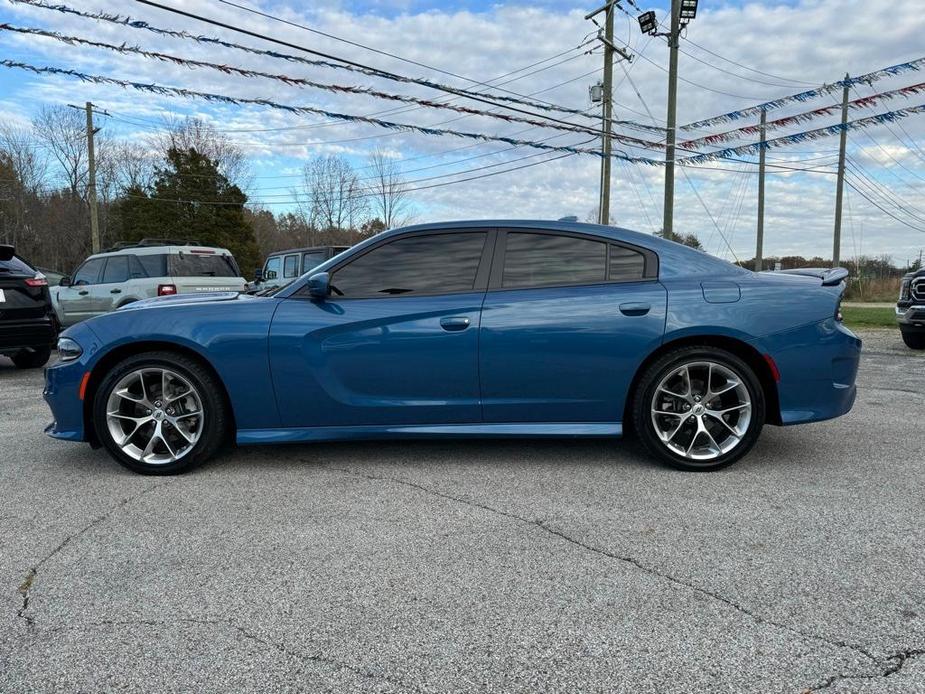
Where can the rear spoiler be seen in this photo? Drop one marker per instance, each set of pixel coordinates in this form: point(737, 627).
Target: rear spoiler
point(829, 277)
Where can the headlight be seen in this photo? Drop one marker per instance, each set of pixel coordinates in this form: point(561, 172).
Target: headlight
point(68, 350)
point(904, 290)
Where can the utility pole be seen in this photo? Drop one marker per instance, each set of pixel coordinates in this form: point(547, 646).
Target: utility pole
point(607, 115)
point(91, 184)
point(606, 37)
point(759, 250)
point(672, 118)
point(840, 185)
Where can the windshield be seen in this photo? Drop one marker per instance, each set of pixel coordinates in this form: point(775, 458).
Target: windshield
point(197, 265)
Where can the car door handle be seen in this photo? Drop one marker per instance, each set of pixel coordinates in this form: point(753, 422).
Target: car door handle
point(454, 323)
point(115, 291)
point(634, 308)
point(83, 292)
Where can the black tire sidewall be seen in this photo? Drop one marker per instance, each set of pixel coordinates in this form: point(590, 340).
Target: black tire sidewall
point(642, 422)
point(35, 359)
point(913, 340)
point(209, 391)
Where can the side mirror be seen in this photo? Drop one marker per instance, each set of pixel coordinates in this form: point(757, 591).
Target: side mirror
point(6, 252)
point(65, 281)
point(319, 285)
point(270, 275)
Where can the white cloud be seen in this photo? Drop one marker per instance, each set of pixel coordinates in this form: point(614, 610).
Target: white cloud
point(798, 45)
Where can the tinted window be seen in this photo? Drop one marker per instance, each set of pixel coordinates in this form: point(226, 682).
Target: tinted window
point(89, 272)
point(135, 268)
point(313, 259)
point(273, 265)
point(291, 266)
point(418, 264)
point(536, 260)
point(116, 269)
point(197, 265)
point(626, 264)
point(154, 265)
point(15, 266)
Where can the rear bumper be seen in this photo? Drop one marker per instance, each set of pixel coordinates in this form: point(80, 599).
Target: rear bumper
point(32, 333)
point(911, 318)
point(818, 366)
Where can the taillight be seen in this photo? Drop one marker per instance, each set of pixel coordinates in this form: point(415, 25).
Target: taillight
point(838, 315)
point(37, 281)
point(166, 289)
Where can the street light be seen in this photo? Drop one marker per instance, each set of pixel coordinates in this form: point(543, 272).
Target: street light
point(647, 23)
point(688, 10)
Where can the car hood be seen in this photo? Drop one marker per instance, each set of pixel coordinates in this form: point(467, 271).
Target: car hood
point(186, 300)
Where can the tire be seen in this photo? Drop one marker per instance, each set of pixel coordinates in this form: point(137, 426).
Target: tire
point(698, 439)
point(913, 340)
point(179, 438)
point(31, 359)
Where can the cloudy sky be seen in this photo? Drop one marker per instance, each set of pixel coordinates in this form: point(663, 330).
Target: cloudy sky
point(734, 54)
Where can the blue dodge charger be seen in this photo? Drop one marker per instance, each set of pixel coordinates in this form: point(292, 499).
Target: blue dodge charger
point(488, 328)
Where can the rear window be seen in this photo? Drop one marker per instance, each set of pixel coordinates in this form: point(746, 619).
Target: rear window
point(195, 265)
point(15, 266)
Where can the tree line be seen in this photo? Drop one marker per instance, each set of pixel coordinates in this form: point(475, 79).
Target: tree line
point(186, 181)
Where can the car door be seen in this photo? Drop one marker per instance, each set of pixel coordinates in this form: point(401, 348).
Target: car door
point(395, 343)
point(76, 301)
point(109, 292)
point(566, 322)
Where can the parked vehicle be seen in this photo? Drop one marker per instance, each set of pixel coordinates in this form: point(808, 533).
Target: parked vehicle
point(53, 277)
point(150, 268)
point(28, 326)
point(282, 267)
point(507, 328)
point(910, 309)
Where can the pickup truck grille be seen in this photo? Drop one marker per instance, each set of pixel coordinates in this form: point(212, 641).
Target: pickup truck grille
point(918, 289)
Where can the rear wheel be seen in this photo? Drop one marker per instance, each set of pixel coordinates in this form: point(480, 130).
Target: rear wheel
point(699, 408)
point(913, 340)
point(160, 413)
point(31, 359)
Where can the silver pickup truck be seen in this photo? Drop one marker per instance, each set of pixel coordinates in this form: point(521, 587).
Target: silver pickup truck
point(129, 273)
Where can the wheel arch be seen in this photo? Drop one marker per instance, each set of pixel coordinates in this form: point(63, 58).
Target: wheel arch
point(117, 354)
point(740, 348)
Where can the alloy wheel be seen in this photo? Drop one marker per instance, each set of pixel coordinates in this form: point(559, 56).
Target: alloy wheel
point(701, 410)
point(154, 415)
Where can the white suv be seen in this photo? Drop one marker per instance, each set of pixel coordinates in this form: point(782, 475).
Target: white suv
point(110, 280)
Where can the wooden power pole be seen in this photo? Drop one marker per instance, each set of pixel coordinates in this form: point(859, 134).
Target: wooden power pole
point(759, 250)
point(673, 40)
point(91, 184)
point(840, 185)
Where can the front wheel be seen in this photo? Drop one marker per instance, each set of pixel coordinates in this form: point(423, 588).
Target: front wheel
point(913, 340)
point(160, 413)
point(699, 408)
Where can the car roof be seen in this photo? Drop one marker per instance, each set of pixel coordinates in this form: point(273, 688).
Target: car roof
point(161, 250)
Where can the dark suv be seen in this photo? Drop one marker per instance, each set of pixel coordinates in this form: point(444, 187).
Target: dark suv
point(910, 309)
point(28, 327)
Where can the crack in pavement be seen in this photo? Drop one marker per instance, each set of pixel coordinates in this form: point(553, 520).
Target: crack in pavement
point(622, 558)
point(251, 636)
point(898, 661)
point(25, 588)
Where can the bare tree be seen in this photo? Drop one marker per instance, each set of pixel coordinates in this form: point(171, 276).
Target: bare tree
point(388, 192)
point(332, 197)
point(63, 131)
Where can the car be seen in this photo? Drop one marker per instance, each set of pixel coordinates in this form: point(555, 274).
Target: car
point(28, 326)
point(910, 309)
point(282, 267)
point(128, 273)
point(53, 277)
point(468, 329)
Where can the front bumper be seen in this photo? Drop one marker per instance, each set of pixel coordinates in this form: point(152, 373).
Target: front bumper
point(62, 387)
point(911, 318)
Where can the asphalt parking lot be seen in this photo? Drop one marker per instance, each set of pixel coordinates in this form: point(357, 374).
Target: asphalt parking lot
point(473, 566)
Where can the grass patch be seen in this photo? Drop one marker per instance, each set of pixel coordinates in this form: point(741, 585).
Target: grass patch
point(869, 316)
